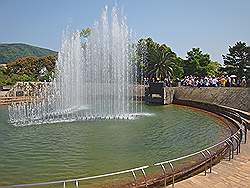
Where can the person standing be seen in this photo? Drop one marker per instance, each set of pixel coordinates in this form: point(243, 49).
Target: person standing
point(214, 82)
point(243, 82)
point(234, 82)
point(228, 81)
point(223, 81)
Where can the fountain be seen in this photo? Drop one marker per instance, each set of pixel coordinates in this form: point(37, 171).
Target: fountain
point(94, 81)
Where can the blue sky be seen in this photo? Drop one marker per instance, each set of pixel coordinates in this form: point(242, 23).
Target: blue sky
point(212, 25)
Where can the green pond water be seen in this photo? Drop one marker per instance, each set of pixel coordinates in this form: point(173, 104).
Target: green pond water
point(68, 150)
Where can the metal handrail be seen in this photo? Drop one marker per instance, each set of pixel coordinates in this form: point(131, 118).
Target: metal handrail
point(198, 152)
point(76, 180)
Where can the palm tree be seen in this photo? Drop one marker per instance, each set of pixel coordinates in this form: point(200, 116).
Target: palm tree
point(162, 62)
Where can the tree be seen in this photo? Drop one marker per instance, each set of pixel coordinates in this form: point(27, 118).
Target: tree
point(178, 72)
point(237, 61)
point(163, 62)
point(25, 65)
point(3, 76)
point(160, 61)
point(196, 63)
point(28, 69)
point(84, 34)
point(26, 78)
point(213, 69)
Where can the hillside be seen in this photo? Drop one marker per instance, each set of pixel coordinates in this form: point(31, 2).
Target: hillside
point(11, 52)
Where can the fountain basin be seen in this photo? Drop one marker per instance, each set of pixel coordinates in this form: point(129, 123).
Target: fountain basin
point(79, 149)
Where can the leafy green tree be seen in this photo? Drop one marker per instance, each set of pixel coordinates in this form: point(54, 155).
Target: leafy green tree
point(25, 78)
point(28, 69)
point(179, 71)
point(46, 69)
point(237, 61)
point(213, 69)
point(26, 65)
point(3, 76)
point(13, 79)
point(84, 34)
point(196, 63)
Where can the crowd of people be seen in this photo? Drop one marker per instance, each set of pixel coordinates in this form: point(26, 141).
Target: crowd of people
point(212, 81)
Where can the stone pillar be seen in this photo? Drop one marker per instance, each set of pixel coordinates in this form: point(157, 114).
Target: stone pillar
point(168, 95)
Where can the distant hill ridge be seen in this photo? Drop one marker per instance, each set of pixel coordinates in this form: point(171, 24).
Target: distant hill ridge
point(13, 51)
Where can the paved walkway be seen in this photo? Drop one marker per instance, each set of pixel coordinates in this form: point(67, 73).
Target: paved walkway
point(226, 174)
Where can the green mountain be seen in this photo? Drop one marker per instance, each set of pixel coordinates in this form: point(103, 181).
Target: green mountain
point(11, 52)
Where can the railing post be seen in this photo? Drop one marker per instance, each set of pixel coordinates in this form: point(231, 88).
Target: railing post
point(211, 160)
point(232, 144)
point(229, 153)
point(205, 169)
point(245, 134)
point(165, 175)
point(64, 184)
point(237, 136)
point(145, 177)
point(135, 179)
point(172, 168)
point(237, 139)
point(77, 183)
point(245, 129)
point(241, 134)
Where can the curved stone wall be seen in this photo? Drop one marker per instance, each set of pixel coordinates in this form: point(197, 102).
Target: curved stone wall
point(237, 98)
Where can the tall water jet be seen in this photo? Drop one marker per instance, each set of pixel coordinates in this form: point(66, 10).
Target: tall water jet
point(97, 80)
